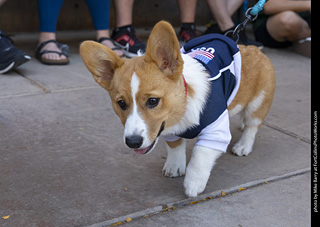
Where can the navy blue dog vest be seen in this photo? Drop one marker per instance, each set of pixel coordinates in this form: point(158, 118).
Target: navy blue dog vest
point(221, 57)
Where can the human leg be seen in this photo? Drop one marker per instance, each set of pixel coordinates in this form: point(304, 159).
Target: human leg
point(233, 6)
point(288, 26)
point(187, 15)
point(123, 12)
point(220, 12)
point(100, 14)
point(187, 10)
point(48, 16)
point(124, 34)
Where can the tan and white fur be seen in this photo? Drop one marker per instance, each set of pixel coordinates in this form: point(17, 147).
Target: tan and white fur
point(149, 96)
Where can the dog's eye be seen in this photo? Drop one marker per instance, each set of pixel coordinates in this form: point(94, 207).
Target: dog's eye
point(152, 102)
point(122, 104)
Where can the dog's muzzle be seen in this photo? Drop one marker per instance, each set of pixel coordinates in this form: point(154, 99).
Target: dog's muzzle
point(135, 142)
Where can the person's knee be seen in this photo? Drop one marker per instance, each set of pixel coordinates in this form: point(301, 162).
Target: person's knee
point(290, 21)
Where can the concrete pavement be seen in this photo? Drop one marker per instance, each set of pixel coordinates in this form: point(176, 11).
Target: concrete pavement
point(263, 206)
point(63, 161)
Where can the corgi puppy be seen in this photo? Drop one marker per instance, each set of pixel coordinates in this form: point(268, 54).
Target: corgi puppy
point(180, 94)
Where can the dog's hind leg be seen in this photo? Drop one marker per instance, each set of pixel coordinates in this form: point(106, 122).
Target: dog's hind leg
point(244, 146)
point(252, 115)
point(234, 111)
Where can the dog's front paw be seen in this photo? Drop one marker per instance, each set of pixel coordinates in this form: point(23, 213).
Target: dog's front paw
point(198, 170)
point(175, 165)
point(195, 183)
point(241, 149)
point(176, 169)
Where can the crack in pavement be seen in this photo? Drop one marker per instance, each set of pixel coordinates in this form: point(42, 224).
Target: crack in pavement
point(44, 89)
point(289, 133)
point(33, 82)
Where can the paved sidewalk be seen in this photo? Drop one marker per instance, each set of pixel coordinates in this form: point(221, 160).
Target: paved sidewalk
point(263, 206)
point(63, 161)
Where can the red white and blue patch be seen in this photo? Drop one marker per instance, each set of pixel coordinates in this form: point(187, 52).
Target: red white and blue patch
point(203, 56)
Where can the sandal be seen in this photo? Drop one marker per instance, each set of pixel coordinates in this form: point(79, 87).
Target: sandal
point(65, 50)
point(114, 48)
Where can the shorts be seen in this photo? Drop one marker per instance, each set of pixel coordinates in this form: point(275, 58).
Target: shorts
point(262, 35)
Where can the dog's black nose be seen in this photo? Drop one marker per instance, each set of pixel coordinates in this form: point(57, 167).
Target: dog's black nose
point(134, 141)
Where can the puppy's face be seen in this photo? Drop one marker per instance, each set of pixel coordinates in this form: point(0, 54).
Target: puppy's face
point(147, 92)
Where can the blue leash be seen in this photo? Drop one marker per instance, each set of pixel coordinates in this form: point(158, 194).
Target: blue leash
point(251, 14)
point(257, 7)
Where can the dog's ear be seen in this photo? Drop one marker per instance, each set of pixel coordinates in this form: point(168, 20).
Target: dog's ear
point(100, 61)
point(163, 48)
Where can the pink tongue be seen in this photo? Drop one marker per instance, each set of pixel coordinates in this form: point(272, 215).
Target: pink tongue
point(141, 151)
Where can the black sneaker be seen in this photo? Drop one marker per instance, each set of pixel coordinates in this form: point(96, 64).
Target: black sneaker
point(125, 38)
point(187, 32)
point(213, 28)
point(10, 56)
point(244, 40)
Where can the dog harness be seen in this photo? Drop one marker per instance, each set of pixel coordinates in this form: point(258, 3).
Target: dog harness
point(221, 58)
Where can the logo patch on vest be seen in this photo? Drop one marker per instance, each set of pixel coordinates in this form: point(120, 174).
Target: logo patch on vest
point(203, 56)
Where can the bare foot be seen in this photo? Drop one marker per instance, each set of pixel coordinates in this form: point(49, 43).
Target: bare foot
point(109, 44)
point(52, 56)
point(46, 36)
